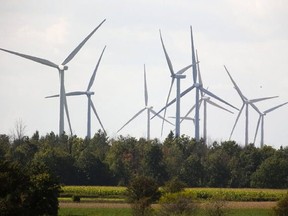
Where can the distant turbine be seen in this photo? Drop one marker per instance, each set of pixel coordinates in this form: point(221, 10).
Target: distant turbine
point(246, 103)
point(199, 88)
point(88, 93)
point(61, 68)
point(147, 107)
point(205, 100)
point(261, 119)
point(178, 76)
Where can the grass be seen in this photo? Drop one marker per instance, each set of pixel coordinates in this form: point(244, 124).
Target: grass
point(127, 212)
point(94, 212)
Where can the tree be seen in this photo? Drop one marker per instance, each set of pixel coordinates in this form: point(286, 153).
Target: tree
point(142, 191)
point(272, 173)
point(28, 191)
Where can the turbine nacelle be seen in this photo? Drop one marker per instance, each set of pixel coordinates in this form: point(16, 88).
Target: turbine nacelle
point(178, 76)
point(197, 85)
point(90, 93)
point(149, 107)
point(62, 67)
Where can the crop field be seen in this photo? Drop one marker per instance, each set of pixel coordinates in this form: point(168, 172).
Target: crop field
point(117, 194)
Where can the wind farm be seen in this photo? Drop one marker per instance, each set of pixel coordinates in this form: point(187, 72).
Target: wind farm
point(118, 87)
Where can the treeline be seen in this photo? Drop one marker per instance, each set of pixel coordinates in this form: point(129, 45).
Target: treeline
point(104, 161)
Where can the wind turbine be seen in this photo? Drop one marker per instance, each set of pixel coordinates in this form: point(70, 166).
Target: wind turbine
point(61, 68)
point(178, 76)
point(88, 93)
point(199, 88)
point(261, 119)
point(148, 108)
point(246, 104)
point(206, 100)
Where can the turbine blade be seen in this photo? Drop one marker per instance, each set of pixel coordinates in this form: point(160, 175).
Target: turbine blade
point(76, 50)
point(237, 120)
point(189, 111)
point(276, 107)
point(198, 68)
point(261, 99)
point(67, 113)
point(236, 86)
point(257, 128)
point(165, 110)
point(52, 96)
point(95, 70)
point(76, 93)
point(255, 108)
point(193, 58)
point(184, 69)
point(173, 101)
point(95, 112)
point(138, 113)
point(216, 97)
point(32, 58)
point(216, 105)
point(159, 116)
point(167, 57)
point(145, 88)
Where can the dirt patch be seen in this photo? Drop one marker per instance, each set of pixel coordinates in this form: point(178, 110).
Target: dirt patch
point(234, 205)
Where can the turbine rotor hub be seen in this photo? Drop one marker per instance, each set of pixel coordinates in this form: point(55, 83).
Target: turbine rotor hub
point(63, 67)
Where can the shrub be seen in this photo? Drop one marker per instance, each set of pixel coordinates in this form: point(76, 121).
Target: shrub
point(177, 204)
point(76, 198)
point(142, 191)
point(174, 186)
point(281, 209)
point(216, 207)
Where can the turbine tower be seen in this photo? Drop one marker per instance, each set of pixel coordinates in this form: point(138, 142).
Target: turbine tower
point(206, 100)
point(61, 68)
point(261, 119)
point(178, 76)
point(246, 104)
point(147, 107)
point(88, 93)
point(199, 88)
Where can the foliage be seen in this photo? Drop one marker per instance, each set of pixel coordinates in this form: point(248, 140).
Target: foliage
point(217, 207)
point(177, 204)
point(104, 161)
point(281, 209)
point(142, 191)
point(32, 191)
point(173, 186)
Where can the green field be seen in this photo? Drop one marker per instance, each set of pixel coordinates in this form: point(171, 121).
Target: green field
point(127, 212)
point(117, 194)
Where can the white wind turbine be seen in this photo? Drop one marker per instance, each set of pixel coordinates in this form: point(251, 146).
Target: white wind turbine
point(61, 68)
point(261, 119)
point(178, 76)
point(206, 100)
point(88, 93)
point(199, 88)
point(148, 108)
point(246, 103)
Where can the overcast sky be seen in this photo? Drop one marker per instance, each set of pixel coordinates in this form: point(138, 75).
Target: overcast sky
point(250, 37)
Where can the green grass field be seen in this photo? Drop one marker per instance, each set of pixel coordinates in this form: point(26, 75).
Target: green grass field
point(127, 212)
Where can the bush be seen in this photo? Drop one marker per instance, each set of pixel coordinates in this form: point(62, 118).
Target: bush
point(281, 209)
point(216, 207)
point(76, 198)
point(142, 191)
point(31, 191)
point(174, 186)
point(177, 204)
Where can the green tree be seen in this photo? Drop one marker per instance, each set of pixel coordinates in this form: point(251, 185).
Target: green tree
point(142, 191)
point(272, 173)
point(28, 191)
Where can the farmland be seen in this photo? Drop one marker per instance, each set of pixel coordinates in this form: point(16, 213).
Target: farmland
point(117, 194)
